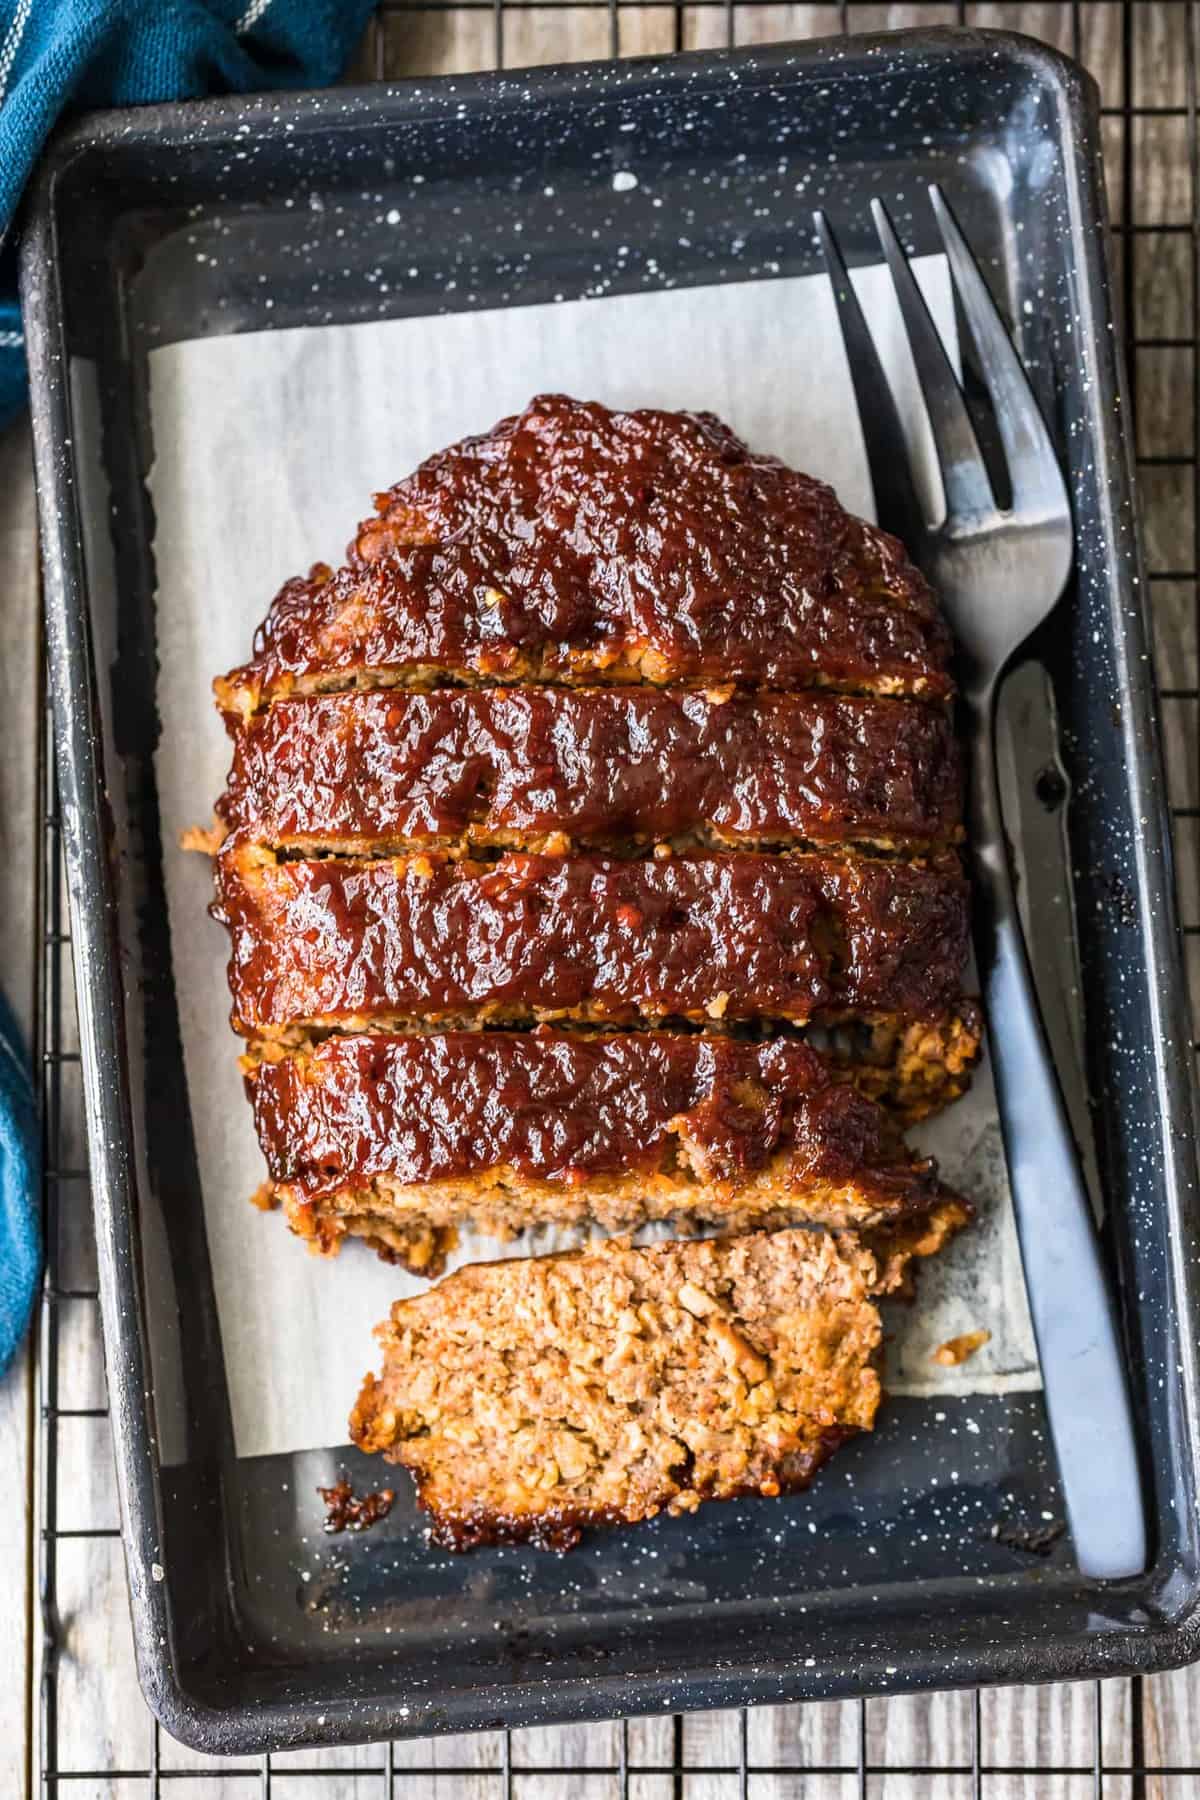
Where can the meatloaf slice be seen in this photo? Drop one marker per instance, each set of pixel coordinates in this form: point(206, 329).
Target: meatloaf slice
point(532, 1398)
point(371, 773)
point(401, 1139)
point(916, 1067)
point(572, 543)
point(330, 944)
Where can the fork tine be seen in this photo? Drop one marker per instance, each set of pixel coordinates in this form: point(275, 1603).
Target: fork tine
point(1033, 467)
point(964, 476)
point(896, 504)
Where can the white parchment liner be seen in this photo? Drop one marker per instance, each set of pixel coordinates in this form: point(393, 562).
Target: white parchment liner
point(268, 447)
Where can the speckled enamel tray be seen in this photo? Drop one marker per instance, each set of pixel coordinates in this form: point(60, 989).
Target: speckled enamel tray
point(909, 1564)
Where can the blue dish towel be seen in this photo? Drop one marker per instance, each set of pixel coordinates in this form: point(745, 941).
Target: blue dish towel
point(58, 56)
point(20, 1238)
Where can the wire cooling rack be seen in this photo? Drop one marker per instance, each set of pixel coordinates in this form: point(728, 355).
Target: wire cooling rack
point(1127, 1738)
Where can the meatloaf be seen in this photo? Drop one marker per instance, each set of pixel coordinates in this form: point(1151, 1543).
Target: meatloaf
point(362, 943)
point(622, 768)
point(532, 1398)
point(574, 543)
point(403, 1139)
point(606, 722)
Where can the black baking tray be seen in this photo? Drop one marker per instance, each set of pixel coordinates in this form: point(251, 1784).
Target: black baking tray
point(908, 1565)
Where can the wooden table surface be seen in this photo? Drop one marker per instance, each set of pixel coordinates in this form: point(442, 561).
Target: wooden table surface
point(1144, 1735)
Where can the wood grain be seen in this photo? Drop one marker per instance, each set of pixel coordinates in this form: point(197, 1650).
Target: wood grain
point(20, 650)
point(102, 1719)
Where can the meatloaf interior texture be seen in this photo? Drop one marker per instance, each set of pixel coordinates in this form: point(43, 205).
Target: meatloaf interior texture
point(531, 1398)
point(588, 857)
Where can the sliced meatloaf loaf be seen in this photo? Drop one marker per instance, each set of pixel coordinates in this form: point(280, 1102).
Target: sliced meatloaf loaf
point(614, 757)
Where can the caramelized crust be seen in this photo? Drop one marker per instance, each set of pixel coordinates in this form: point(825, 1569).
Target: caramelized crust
point(509, 1130)
point(370, 773)
point(532, 1398)
point(572, 543)
point(332, 944)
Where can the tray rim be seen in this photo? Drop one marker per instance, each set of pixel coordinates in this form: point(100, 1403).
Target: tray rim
point(284, 1723)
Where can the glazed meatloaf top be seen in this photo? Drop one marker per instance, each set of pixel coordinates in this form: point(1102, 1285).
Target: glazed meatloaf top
point(574, 543)
point(367, 772)
point(330, 943)
point(531, 1398)
point(571, 1108)
point(607, 722)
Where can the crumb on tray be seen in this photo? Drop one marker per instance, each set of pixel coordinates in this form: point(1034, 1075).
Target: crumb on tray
point(346, 1511)
point(960, 1349)
point(205, 838)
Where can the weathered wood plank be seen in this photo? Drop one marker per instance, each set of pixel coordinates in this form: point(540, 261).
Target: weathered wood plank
point(1163, 273)
point(711, 1741)
point(1187, 878)
point(645, 30)
point(1173, 611)
point(450, 42)
point(1179, 748)
point(1172, 1728)
point(1101, 33)
point(902, 17)
point(1055, 1787)
point(1168, 517)
point(822, 1735)
point(554, 1749)
point(16, 1540)
point(103, 1722)
point(706, 27)
point(472, 1765)
point(1165, 425)
point(925, 1731)
point(773, 24)
point(1059, 1725)
point(173, 1757)
point(1051, 22)
point(20, 651)
point(355, 1773)
point(566, 34)
point(229, 1787)
point(1160, 53)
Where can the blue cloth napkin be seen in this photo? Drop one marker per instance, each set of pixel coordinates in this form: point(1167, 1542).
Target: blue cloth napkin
point(20, 1237)
point(58, 56)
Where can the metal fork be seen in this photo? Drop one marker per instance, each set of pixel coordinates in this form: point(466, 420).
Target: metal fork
point(998, 573)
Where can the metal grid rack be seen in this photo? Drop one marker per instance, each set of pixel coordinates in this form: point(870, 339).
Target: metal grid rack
point(1107, 1739)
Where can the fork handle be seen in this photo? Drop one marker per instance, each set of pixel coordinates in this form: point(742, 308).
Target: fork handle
point(1074, 1321)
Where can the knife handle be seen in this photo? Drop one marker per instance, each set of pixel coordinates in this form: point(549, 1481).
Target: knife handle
point(1074, 1320)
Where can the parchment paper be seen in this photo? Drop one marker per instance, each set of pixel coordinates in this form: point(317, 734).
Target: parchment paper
point(268, 446)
